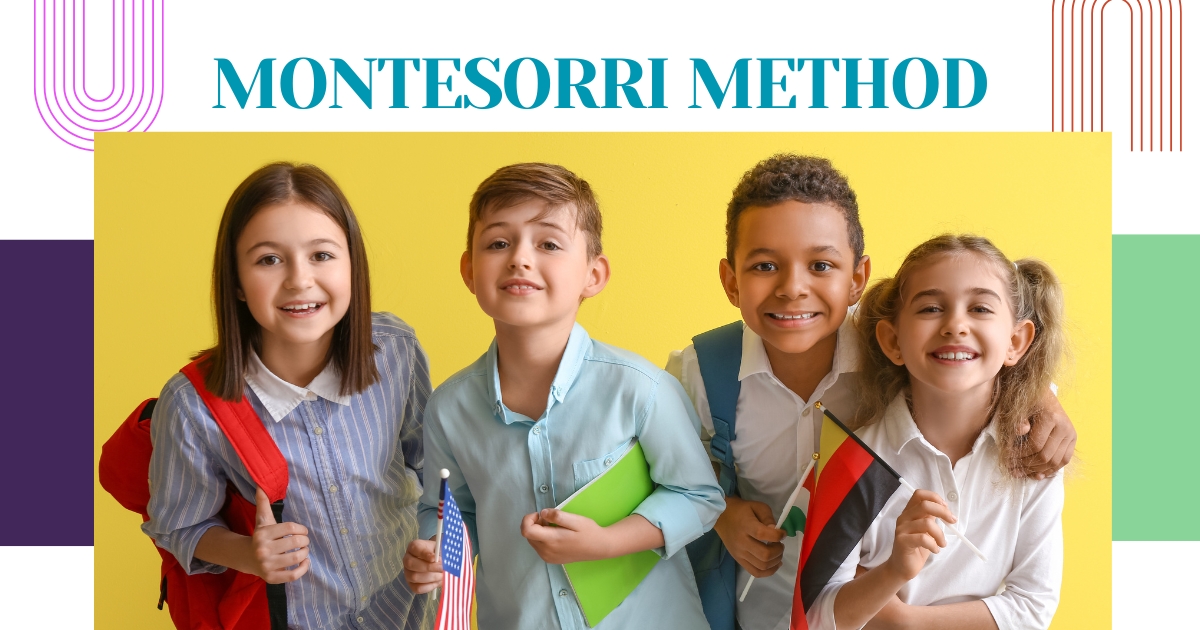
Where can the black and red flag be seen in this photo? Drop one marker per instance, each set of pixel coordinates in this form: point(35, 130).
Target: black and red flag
point(852, 484)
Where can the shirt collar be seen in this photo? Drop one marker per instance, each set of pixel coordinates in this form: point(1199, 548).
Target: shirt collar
point(579, 345)
point(846, 355)
point(902, 429)
point(281, 397)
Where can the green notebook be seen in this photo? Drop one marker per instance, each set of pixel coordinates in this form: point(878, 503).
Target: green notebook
point(601, 585)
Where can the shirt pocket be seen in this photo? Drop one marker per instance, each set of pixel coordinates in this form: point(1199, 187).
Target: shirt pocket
point(589, 469)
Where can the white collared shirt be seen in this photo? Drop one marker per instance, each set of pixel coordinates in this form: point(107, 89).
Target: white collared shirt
point(775, 438)
point(1017, 525)
point(281, 397)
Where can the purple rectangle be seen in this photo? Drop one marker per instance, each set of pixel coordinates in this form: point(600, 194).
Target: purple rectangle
point(46, 331)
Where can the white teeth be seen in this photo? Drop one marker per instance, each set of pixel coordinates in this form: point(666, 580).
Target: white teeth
point(956, 356)
point(801, 316)
point(300, 307)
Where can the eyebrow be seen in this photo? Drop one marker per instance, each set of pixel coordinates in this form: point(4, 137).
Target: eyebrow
point(816, 249)
point(543, 223)
point(316, 241)
point(939, 293)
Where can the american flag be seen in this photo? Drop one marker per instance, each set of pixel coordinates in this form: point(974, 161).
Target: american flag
point(458, 581)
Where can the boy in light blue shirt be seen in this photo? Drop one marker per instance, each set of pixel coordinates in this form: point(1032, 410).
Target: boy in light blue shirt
point(545, 411)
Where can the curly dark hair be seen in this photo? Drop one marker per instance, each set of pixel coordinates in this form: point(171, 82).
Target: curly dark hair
point(790, 177)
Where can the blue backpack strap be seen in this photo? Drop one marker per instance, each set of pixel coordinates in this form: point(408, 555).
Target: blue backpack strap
point(719, 352)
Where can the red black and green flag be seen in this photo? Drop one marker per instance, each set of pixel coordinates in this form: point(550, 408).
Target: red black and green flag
point(852, 485)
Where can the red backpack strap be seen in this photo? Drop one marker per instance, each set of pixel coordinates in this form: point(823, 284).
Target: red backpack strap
point(246, 433)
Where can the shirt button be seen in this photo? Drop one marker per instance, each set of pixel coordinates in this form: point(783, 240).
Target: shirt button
point(953, 496)
point(537, 430)
point(544, 489)
point(353, 564)
point(332, 488)
point(808, 411)
point(318, 431)
point(562, 593)
point(359, 620)
point(608, 461)
point(364, 598)
point(344, 531)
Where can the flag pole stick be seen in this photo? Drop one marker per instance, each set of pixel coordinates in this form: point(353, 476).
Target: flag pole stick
point(445, 474)
point(786, 510)
point(952, 528)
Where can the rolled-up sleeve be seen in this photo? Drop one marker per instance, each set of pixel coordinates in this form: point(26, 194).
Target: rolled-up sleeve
point(688, 500)
point(187, 486)
point(1031, 588)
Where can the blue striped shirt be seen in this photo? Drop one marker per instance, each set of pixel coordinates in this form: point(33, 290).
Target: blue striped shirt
point(504, 465)
point(354, 478)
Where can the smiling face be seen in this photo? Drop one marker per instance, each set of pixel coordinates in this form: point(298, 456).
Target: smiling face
point(794, 275)
point(294, 275)
point(955, 326)
point(529, 266)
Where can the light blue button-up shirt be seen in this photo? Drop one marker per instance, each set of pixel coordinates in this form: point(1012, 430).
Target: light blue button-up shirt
point(504, 465)
point(354, 475)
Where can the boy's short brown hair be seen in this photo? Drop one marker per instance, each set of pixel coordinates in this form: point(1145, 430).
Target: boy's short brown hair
point(557, 186)
point(790, 177)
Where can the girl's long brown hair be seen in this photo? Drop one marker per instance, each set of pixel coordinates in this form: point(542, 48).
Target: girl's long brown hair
point(1035, 294)
point(352, 350)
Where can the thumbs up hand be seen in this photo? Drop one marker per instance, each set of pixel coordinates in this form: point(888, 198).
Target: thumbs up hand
point(279, 550)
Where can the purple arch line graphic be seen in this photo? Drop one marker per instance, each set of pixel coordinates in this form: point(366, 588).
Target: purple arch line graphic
point(75, 118)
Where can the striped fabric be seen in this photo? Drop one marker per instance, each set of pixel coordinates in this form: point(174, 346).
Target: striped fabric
point(458, 580)
point(354, 480)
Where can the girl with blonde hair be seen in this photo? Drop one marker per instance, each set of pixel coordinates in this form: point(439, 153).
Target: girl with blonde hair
point(961, 345)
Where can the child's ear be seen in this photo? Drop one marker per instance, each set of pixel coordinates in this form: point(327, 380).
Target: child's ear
point(598, 274)
point(241, 295)
point(858, 282)
point(729, 282)
point(468, 273)
point(1022, 338)
point(889, 342)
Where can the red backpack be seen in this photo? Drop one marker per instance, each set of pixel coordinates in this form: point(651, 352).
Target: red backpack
point(206, 601)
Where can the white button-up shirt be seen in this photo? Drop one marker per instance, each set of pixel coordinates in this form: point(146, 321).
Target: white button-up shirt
point(1016, 524)
point(281, 397)
point(776, 437)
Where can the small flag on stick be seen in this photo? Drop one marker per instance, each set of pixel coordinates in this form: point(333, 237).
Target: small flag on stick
point(458, 578)
point(852, 486)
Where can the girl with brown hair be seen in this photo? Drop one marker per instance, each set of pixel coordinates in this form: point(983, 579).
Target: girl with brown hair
point(961, 347)
point(340, 391)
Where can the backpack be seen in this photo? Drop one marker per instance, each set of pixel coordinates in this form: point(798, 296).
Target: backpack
point(206, 601)
point(719, 353)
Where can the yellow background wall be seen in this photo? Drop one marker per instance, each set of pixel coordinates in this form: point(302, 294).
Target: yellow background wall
point(159, 198)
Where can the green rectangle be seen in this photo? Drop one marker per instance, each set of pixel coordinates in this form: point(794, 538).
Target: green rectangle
point(1156, 425)
point(601, 585)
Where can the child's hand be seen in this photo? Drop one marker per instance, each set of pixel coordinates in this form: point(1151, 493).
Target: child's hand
point(748, 530)
point(1051, 441)
point(277, 546)
point(574, 539)
point(918, 533)
point(422, 571)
